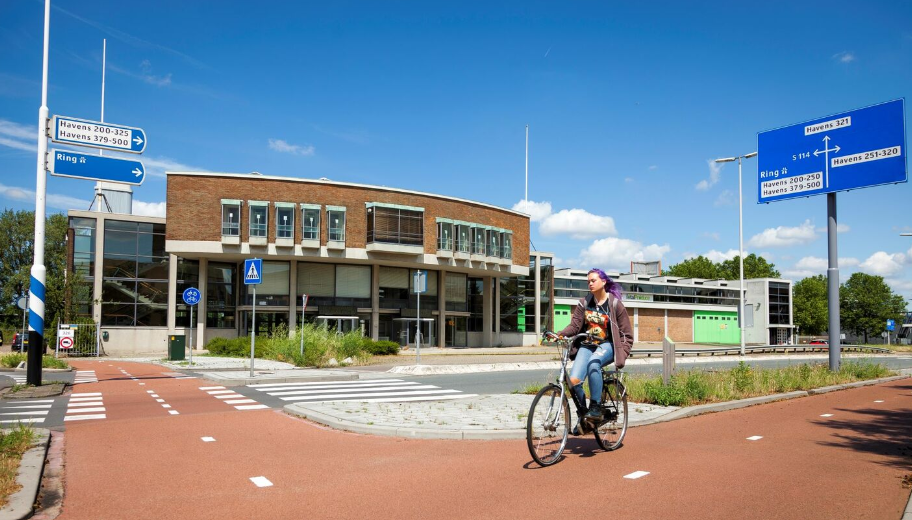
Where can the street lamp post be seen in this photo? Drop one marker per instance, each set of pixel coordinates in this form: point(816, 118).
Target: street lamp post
point(740, 238)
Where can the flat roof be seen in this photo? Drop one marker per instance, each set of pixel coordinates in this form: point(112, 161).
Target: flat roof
point(258, 176)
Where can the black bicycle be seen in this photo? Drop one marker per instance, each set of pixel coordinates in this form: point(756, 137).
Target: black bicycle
point(548, 426)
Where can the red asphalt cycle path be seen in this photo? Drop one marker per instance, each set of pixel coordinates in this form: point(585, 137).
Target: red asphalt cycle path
point(141, 462)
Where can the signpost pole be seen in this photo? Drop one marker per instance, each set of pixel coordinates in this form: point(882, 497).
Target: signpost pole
point(191, 336)
point(252, 331)
point(303, 308)
point(418, 320)
point(833, 283)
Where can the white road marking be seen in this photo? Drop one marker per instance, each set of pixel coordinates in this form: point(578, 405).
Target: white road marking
point(241, 401)
point(261, 481)
point(166, 406)
point(252, 407)
point(826, 415)
point(28, 406)
point(83, 417)
point(211, 387)
point(86, 394)
point(213, 392)
point(755, 438)
point(23, 420)
point(35, 412)
point(879, 401)
point(208, 439)
point(87, 410)
point(160, 400)
point(636, 474)
point(229, 396)
point(173, 412)
point(90, 403)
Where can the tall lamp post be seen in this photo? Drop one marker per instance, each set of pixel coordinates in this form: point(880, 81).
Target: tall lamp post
point(740, 237)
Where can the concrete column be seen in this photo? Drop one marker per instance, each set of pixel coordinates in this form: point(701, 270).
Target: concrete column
point(441, 306)
point(665, 330)
point(172, 293)
point(497, 311)
point(487, 301)
point(636, 324)
point(99, 273)
point(200, 312)
point(538, 318)
point(293, 297)
point(375, 302)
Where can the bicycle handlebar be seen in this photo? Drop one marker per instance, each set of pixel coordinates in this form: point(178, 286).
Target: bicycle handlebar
point(555, 336)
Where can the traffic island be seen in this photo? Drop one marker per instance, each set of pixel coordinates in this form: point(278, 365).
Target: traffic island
point(21, 503)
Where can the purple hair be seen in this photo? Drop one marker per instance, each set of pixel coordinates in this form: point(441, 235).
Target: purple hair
point(610, 285)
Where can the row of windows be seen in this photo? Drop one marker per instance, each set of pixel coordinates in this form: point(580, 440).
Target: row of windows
point(476, 239)
point(258, 220)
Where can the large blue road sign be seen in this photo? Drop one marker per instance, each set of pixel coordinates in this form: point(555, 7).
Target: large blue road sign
point(84, 132)
point(253, 271)
point(857, 149)
point(65, 163)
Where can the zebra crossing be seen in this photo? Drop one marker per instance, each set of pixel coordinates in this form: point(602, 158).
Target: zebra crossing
point(84, 406)
point(240, 402)
point(85, 376)
point(20, 379)
point(31, 412)
point(375, 390)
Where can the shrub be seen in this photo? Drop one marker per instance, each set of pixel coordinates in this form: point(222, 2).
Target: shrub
point(380, 348)
point(12, 360)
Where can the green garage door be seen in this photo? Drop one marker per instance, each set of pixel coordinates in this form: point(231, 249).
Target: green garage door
point(562, 315)
point(716, 327)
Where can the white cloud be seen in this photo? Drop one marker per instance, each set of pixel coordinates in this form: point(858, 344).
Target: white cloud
point(537, 211)
point(719, 256)
point(819, 265)
point(713, 235)
point(883, 264)
point(726, 198)
point(148, 77)
point(628, 180)
point(715, 170)
point(783, 236)
point(840, 228)
point(149, 209)
point(577, 223)
point(798, 274)
point(844, 57)
point(15, 130)
point(900, 284)
point(53, 200)
point(280, 145)
point(617, 253)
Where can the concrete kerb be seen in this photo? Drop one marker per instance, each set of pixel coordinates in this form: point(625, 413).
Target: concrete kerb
point(411, 431)
point(31, 467)
point(908, 513)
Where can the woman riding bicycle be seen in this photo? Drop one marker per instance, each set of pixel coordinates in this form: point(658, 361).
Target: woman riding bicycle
point(598, 313)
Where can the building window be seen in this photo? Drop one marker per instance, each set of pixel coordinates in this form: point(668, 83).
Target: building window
point(274, 290)
point(135, 267)
point(428, 298)
point(492, 242)
point(220, 296)
point(444, 235)
point(83, 264)
point(310, 221)
point(394, 287)
point(506, 241)
point(231, 218)
point(284, 220)
point(335, 223)
point(392, 224)
point(187, 276)
point(456, 292)
point(476, 304)
point(463, 238)
point(318, 282)
point(259, 219)
point(478, 240)
point(511, 301)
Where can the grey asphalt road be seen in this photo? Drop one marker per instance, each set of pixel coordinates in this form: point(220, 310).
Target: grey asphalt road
point(507, 382)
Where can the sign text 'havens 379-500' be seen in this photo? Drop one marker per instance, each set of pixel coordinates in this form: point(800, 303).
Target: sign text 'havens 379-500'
point(83, 132)
point(78, 165)
point(856, 149)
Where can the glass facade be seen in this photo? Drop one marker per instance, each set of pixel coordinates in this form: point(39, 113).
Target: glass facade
point(475, 300)
point(779, 298)
point(546, 272)
point(221, 298)
point(445, 236)
point(135, 267)
point(512, 301)
point(335, 222)
point(689, 294)
point(429, 298)
point(285, 221)
point(187, 276)
point(463, 238)
point(274, 290)
point(310, 222)
point(334, 285)
point(456, 286)
point(83, 237)
point(395, 225)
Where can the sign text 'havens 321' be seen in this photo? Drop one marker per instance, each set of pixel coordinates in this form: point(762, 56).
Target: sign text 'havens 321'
point(847, 151)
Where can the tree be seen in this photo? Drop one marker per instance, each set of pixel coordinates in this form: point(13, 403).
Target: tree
point(810, 304)
point(699, 267)
point(754, 267)
point(866, 302)
point(16, 256)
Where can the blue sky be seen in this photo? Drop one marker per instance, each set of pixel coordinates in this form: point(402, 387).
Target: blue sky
point(626, 104)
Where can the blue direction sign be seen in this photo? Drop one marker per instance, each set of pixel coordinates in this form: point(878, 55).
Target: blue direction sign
point(847, 151)
point(253, 271)
point(78, 165)
point(191, 296)
point(96, 134)
point(891, 325)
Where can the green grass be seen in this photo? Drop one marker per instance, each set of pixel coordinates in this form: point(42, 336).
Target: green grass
point(13, 360)
point(13, 443)
point(693, 387)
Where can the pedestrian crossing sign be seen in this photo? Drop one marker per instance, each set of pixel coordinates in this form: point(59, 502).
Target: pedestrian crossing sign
point(253, 271)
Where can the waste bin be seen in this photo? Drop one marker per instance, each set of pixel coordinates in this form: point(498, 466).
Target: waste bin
point(176, 346)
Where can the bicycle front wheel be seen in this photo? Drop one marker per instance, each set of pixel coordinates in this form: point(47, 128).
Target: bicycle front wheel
point(548, 425)
point(610, 433)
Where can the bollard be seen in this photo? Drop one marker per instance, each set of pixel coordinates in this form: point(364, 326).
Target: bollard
point(668, 359)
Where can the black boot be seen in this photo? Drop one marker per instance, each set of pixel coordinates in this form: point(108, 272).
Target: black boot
point(595, 412)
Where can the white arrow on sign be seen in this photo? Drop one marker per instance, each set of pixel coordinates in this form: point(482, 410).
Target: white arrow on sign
point(137, 172)
point(826, 151)
point(138, 140)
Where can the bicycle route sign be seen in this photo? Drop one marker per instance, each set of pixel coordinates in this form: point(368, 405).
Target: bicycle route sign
point(851, 150)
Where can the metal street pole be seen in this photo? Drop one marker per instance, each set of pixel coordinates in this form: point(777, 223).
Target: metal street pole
point(742, 291)
point(418, 321)
point(833, 283)
point(191, 335)
point(39, 273)
point(253, 330)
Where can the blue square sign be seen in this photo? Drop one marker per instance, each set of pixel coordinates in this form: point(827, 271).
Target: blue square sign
point(253, 271)
point(847, 151)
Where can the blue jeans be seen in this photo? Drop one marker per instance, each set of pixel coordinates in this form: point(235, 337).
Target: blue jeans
point(588, 363)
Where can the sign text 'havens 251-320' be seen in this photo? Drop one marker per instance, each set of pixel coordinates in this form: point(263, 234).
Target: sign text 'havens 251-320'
point(857, 149)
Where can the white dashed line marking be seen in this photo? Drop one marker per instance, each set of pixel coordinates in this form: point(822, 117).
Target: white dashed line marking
point(879, 401)
point(826, 415)
point(636, 474)
point(755, 438)
point(211, 388)
point(261, 481)
point(173, 412)
point(252, 407)
point(208, 439)
point(166, 406)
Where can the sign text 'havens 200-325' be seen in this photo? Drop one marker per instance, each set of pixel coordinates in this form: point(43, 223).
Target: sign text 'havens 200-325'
point(856, 149)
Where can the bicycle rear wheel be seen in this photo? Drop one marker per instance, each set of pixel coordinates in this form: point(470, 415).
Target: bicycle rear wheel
point(610, 433)
point(548, 425)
